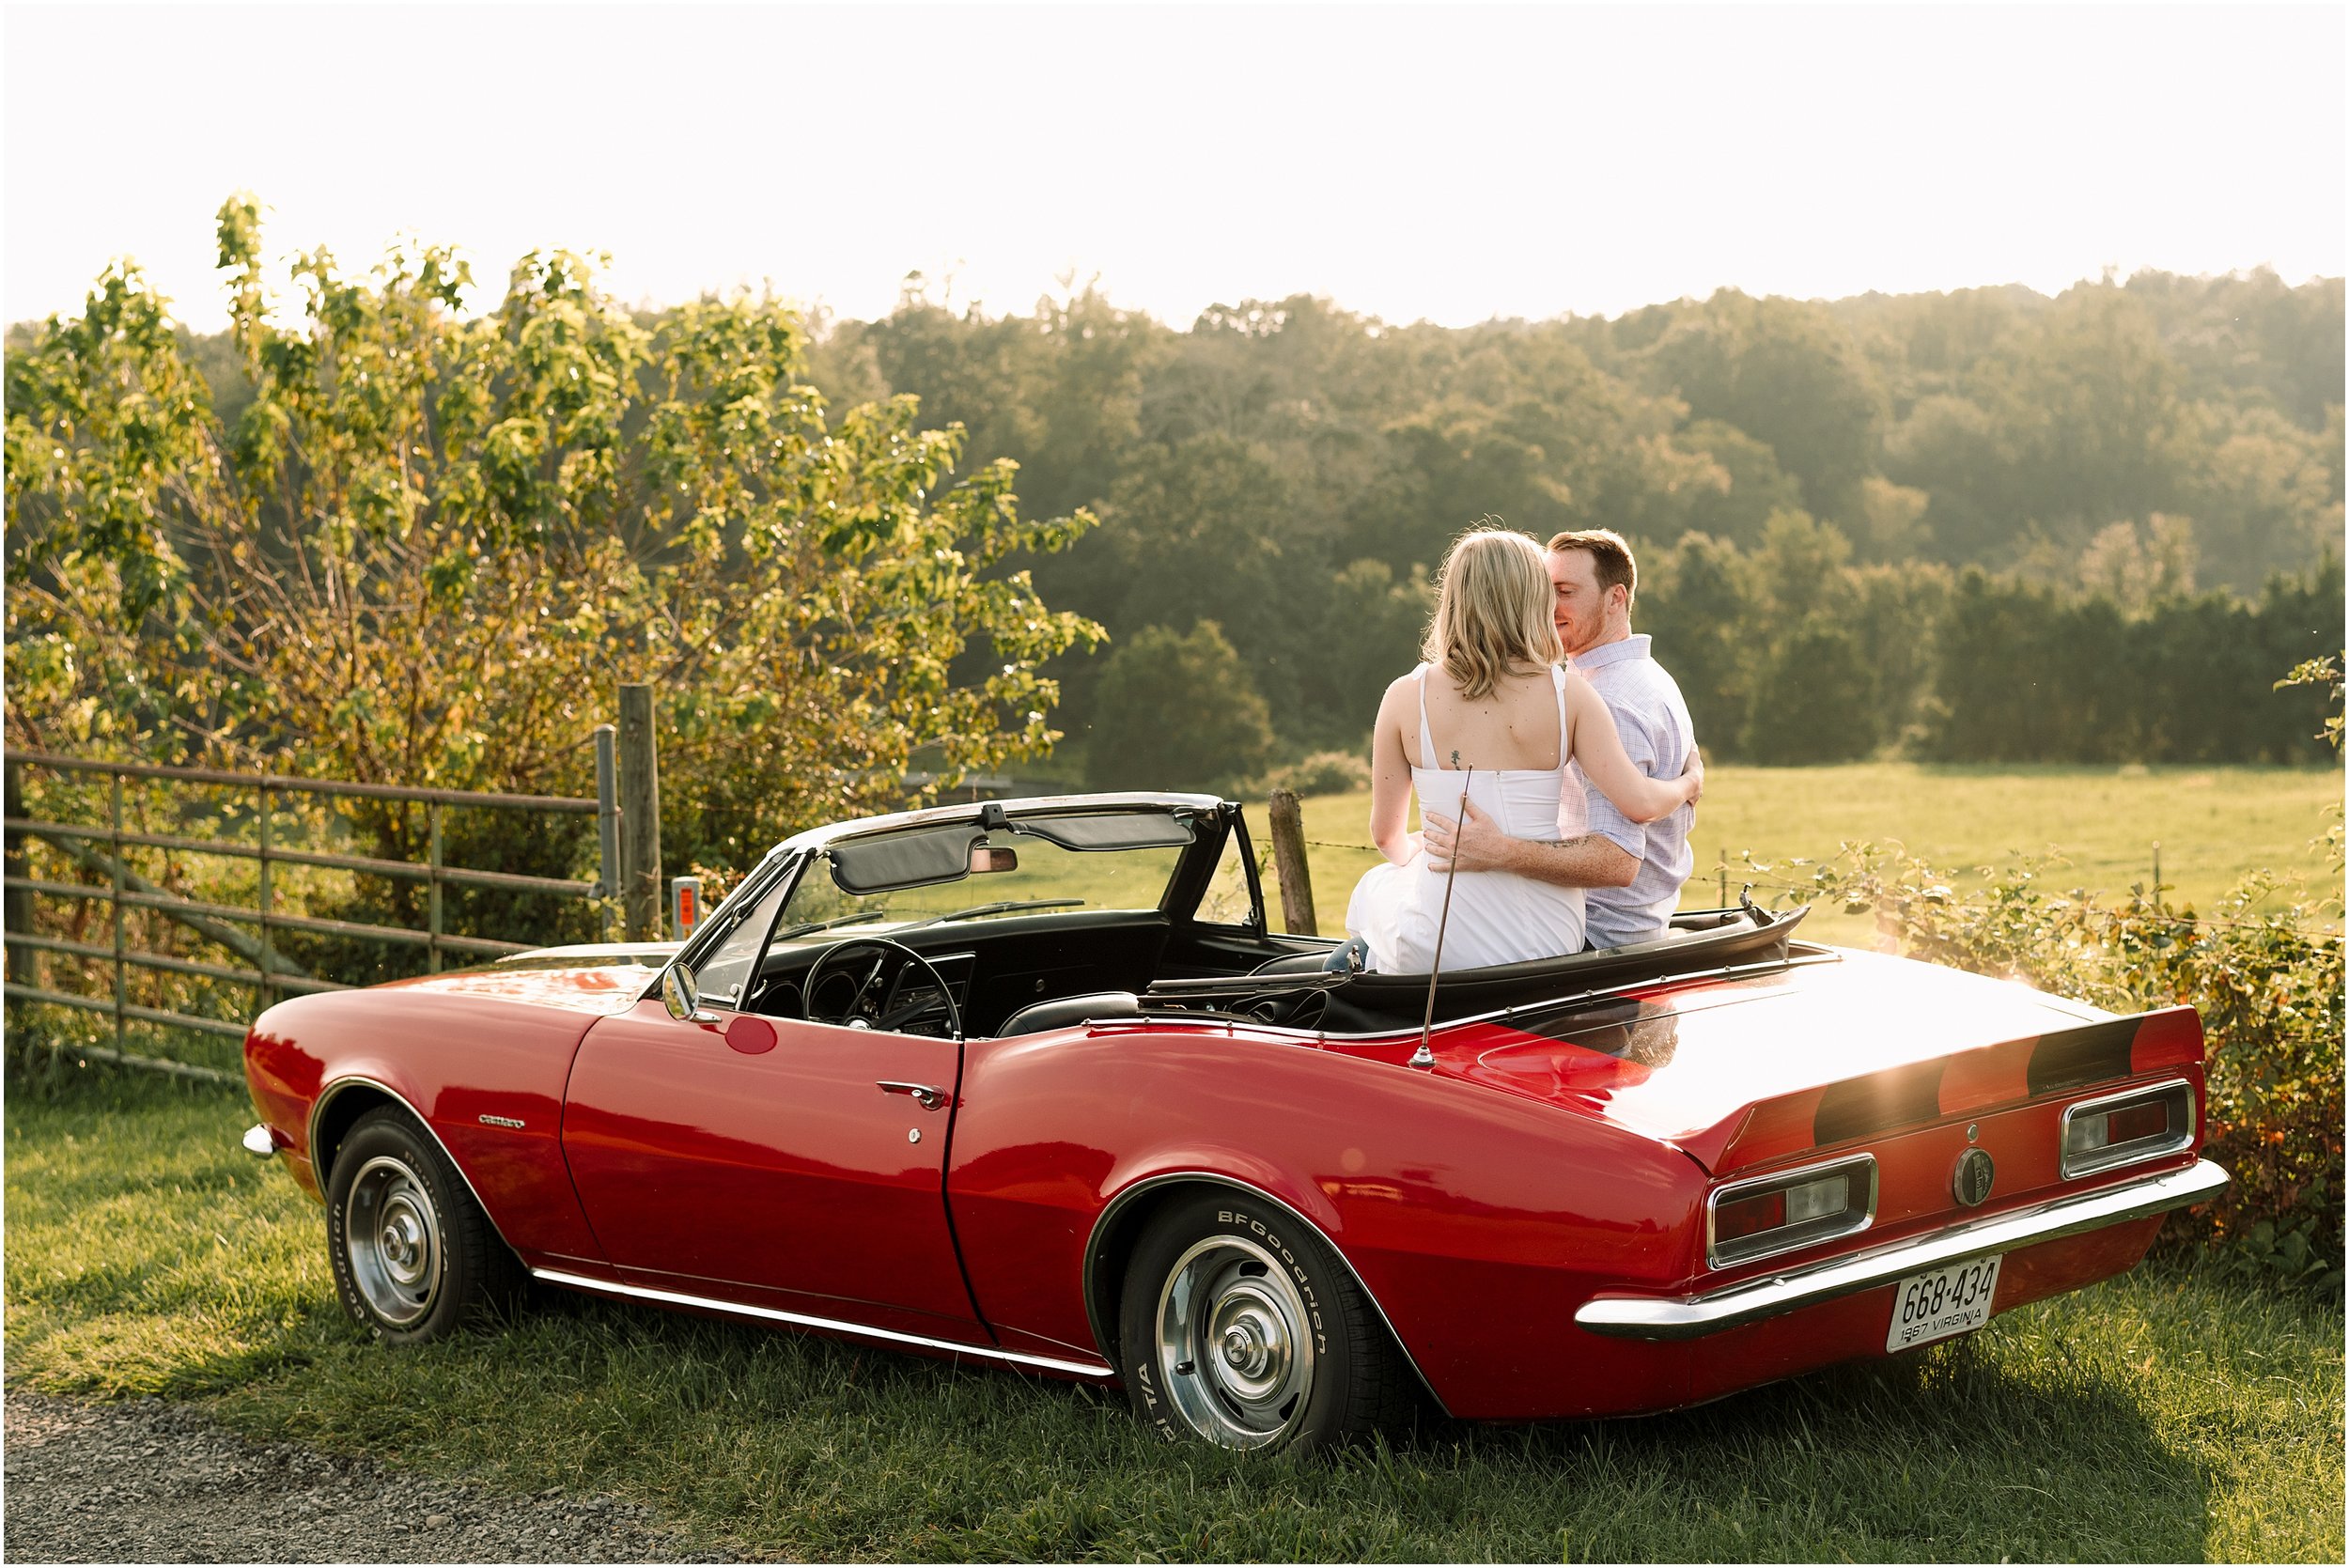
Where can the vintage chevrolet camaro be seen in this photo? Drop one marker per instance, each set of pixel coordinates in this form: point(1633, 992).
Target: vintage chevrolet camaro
point(1030, 1082)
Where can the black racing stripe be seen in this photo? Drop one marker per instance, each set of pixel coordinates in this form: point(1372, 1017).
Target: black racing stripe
point(1861, 1107)
point(2091, 1054)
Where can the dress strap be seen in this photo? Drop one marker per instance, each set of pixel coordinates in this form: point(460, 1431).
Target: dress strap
point(1427, 737)
point(1558, 679)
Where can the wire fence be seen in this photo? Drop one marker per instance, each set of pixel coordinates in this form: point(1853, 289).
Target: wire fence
point(1746, 877)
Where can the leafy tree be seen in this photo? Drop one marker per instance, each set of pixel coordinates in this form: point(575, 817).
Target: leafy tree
point(1788, 375)
point(1750, 487)
point(2137, 567)
point(432, 545)
point(1370, 633)
point(2091, 414)
point(2262, 496)
point(1698, 603)
point(1178, 711)
point(1815, 699)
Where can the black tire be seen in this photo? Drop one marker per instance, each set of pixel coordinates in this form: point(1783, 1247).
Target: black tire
point(414, 1257)
point(1238, 1326)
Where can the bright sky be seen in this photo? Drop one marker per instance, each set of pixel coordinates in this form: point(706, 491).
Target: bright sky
point(1447, 164)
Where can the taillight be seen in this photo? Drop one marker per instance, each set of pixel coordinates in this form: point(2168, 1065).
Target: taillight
point(2123, 1128)
point(1766, 1215)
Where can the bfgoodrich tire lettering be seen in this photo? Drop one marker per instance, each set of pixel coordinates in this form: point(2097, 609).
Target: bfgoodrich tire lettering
point(413, 1255)
point(1239, 1326)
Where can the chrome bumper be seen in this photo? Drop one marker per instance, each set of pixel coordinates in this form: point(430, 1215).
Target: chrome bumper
point(258, 1143)
point(1690, 1317)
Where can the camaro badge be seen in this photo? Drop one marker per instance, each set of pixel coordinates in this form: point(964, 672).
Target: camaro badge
point(502, 1121)
point(1974, 1174)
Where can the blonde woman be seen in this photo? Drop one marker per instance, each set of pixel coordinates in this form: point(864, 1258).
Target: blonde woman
point(1492, 698)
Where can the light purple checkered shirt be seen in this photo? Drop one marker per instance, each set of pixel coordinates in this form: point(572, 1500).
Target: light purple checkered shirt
point(1652, 720)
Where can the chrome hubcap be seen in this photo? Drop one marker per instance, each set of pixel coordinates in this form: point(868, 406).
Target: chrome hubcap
point(392, 1237)
point(1235, 1343)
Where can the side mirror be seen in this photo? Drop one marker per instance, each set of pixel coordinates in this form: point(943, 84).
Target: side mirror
point(682, 997)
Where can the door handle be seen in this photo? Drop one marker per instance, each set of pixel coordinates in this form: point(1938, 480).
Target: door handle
point(930, 1098)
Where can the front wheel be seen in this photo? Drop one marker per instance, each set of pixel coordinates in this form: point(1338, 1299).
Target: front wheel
point(1239, 1326)
point(413, 1255)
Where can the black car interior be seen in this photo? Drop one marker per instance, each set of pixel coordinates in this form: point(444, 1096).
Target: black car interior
point(1029, 967)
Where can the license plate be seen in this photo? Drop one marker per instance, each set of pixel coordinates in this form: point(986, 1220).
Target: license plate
point(1944, 1301)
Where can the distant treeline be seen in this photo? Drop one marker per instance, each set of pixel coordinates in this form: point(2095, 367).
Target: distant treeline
point(1790, 654)
point(1981, 526)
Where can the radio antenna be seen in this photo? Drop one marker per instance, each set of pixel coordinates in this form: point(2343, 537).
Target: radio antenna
point(1424, 1057)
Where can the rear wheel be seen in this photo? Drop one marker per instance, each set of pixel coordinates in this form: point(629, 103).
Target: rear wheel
point(1239, 1326)
point(413, 1255)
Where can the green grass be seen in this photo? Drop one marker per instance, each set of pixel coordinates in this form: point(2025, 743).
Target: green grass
point(2215, 825)
point(2174, 1415)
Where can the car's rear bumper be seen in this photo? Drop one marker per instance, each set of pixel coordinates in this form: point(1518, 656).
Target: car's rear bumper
point(1689, 1317)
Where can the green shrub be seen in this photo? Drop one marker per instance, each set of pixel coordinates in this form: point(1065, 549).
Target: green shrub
point(1177, 711)
point(1322, 773)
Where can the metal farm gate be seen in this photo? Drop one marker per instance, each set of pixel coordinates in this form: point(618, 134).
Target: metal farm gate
point(248, 931)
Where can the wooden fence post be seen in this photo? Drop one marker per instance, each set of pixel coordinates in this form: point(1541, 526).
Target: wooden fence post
point(640, 814)
point(23, 962)
point(1288, 858)
point(268, 987)
point(608, 863)
point(433, 895)
point(114, 842)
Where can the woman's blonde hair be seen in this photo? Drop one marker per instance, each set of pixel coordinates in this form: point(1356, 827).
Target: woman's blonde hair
point(1492, 612)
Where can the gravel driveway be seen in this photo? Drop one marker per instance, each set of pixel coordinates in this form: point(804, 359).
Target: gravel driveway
point(152, 1481)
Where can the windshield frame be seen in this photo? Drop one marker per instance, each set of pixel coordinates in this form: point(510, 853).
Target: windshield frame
point(1215, 822)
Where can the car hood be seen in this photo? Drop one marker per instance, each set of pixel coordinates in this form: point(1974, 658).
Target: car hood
point(602, 983)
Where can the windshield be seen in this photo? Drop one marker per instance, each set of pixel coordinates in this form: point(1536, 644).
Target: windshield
point(1047, 880)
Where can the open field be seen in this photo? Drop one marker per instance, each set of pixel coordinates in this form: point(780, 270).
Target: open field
point(2175, 1415)
point(2215, 826)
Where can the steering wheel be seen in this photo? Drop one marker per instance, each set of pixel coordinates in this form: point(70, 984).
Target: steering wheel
point(851, 1017)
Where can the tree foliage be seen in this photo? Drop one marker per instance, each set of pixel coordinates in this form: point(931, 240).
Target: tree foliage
point(1178, 712)
point(2142, 444)
point(431, 545)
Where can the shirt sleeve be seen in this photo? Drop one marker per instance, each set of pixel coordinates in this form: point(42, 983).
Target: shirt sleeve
point(1606, 821)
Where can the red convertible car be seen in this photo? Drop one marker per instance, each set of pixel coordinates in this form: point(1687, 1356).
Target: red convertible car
point(1030, 1082)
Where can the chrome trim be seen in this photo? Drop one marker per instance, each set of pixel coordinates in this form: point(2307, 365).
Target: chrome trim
point(818, 838)
point(2108, 1159)
point(651, 954)
point(1126, 1196)
point(929, 1096)
point(1689, 1317)
point(327, 1092)
point(1796, 1177)
point(258, 1142)
point(720, 923)
point(803, 1320)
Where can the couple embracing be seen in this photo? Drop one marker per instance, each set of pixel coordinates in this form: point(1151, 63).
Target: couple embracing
point(1553, 758)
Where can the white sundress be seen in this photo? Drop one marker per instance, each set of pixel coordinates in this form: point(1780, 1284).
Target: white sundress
point(1498, 917)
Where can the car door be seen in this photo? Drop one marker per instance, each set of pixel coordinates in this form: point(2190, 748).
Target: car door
point(762, 1160)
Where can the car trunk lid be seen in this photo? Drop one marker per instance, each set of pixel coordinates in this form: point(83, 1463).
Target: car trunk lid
point(1746, 1072)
